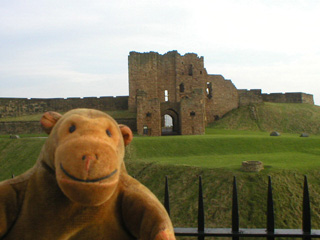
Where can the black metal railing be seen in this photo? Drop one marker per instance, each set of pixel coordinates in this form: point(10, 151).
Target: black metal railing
point(235, 231)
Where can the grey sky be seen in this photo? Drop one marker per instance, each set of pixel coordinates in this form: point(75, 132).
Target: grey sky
point(78, 48)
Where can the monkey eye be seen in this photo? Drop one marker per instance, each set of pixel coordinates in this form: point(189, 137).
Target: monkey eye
point(108, 133)
point(72, 128)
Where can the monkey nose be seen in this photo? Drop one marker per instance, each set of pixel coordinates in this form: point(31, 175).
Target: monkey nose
point(88, 159)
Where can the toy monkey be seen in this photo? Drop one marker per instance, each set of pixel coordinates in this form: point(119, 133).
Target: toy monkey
point(79, 187)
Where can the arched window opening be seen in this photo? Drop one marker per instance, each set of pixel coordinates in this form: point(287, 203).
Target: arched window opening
point(167, 127)
point(166, 96)
point(168, 121)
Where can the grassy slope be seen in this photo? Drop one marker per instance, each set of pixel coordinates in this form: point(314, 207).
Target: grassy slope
point(282, 117)
point(217, 158)
point(228, 150)
point(145, 153)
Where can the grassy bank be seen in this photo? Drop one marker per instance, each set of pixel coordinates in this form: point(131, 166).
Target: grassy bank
point(227, 149)
point(282, 117)
point(217, 190)
point(216, 157)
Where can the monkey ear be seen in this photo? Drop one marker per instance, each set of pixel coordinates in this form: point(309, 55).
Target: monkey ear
point(126, 133)
point(48, 120)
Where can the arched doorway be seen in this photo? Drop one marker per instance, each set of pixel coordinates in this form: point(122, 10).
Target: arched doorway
point(170, 123)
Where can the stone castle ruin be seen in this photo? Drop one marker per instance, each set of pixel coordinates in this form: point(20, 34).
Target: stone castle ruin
point(170, 94)
point(174, 94)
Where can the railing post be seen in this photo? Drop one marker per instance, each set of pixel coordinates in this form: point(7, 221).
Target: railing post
point(200, 212)
point(270, 211)
point(235, 210)
point(166, 197)
point(306, 212)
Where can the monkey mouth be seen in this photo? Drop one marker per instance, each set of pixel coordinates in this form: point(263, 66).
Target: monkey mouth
point(87, 180)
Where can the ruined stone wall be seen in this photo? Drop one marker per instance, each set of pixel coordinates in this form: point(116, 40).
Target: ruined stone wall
point(156, 81)
point(14, 107)
point(154, 73)
point(193, 113)
point(143, 75)
point(28, 127)
point(307, 98)
point(190, 74)
point(224, 97)
point(293, 97)
point(148, 116)
point(251, 96)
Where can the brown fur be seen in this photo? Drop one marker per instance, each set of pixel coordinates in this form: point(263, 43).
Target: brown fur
point(79, 187)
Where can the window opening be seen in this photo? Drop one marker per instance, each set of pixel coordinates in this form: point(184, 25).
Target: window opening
point(181, 87)
point(166, 96)
point(145, 130)
point(209, 90)
point(190, 70)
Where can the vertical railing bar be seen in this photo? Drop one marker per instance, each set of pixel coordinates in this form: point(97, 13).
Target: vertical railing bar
point(235, 209)
point(200, 212)
point(306, 212)
point(270, 210)
point(166, 197)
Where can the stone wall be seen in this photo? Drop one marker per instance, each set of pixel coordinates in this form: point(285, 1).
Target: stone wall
point(193, 114)
point(247, 97)
point(223, 99)
point(158, 81)
point(155, 73)
point(26, 127)
point(14, 107)
point(291, 97)
point(148, 116)
point(253, 96)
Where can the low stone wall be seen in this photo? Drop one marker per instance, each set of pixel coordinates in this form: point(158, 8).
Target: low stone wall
point(252, 96)
point(13, 107)
point(288, 97)
point(247, 97)
point(252, 166)
point(34, 126)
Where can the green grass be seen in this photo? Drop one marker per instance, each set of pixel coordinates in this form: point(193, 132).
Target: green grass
point(216, 157)
point(228, 150)
point(266, 117)
point(18, 155)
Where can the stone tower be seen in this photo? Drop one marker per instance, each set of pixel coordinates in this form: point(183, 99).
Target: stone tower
point(173, 94)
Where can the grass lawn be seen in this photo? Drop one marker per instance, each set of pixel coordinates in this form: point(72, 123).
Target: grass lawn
point(228, 148)
point(217, 157)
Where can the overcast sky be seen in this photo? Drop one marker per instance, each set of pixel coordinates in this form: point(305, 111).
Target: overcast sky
point(79, 48)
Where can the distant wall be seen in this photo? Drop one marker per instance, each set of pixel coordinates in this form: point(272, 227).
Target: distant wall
point(25, 127)
point(252, 96)
point(13, 107)
point(296, 97)
point(247, 97)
